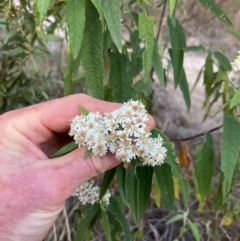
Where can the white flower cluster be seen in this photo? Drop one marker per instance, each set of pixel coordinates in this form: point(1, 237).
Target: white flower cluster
point(123, 132)
point(236, 63)
point(87, 193)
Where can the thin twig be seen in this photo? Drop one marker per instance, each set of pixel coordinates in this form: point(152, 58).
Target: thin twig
point(198, 135)
point(161, 20)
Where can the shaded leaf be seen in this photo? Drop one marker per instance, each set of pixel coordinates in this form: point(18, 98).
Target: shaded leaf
point(106, 226)
point(66, 149)
point(119, 80)
point(171, 6)
point(204, 166)
point(223, 61)
point(76, 17)
point(92, 52)
point(85, 222)
point(121, 179)
point(165, 181)
point(171, 160)
point(107, 179)
point(214, 7)
point(138, 188)
point(185, 89)
point(117, 211)
point(230, 148)
point(112, 12)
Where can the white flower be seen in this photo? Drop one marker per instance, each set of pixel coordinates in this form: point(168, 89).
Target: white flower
point(236, 63)
point(123, 132)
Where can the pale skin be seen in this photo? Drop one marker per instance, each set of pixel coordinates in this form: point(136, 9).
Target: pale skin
point(33, 186)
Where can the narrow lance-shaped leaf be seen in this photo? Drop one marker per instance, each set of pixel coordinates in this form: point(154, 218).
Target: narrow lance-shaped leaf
point(185, 89)
point(119, 80)
point(230, 148)
point(146, 32)
point(65, 149)
point(43, 6)
point(121, 178)
point(117, 211)
point(171, 160)
point(223, 61)
point(157, 64)
point(112, 12)
point(85, 222)
point(204, 166)
point(75, 17)
point(165, 181)
point(138, 188)
point(172, 6)
point(92, 52)
point(235, 99)
point(106, 225)
point(98, 6)
point(178, 42)
point(214, 7)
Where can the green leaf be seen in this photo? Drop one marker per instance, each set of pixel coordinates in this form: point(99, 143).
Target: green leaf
point(98, 6)
point(223, 61)
point(208, 75)
point(76, 17)
point(185, 90)
point(204, 166)
point(83, 110)
point(230, 148)
point(43, 6)
point(116, 210)
point(171, 6)
point(144, 87)
point(107, 179)
point(176, 218)
point(121, 179)
point(171, 160)
point(146, 32)
point(157, 64)
point(165, 181)
point(66, 149)
point(106, 226)
point(194, 230)
point(112, 12)
point(194, 48)
point(119, 80)
point(138, 188)
point(85, 222)
point(92, 52)
point(235, 99)
point(178, 42)
point(214, 7)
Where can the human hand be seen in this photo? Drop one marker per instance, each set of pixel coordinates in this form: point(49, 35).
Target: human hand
point(34, 187)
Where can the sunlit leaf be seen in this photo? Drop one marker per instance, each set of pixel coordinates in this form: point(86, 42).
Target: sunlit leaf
point(235, 99)
point(194, 230)
point(43, 6)
point(157, 64)
point(146, 32)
